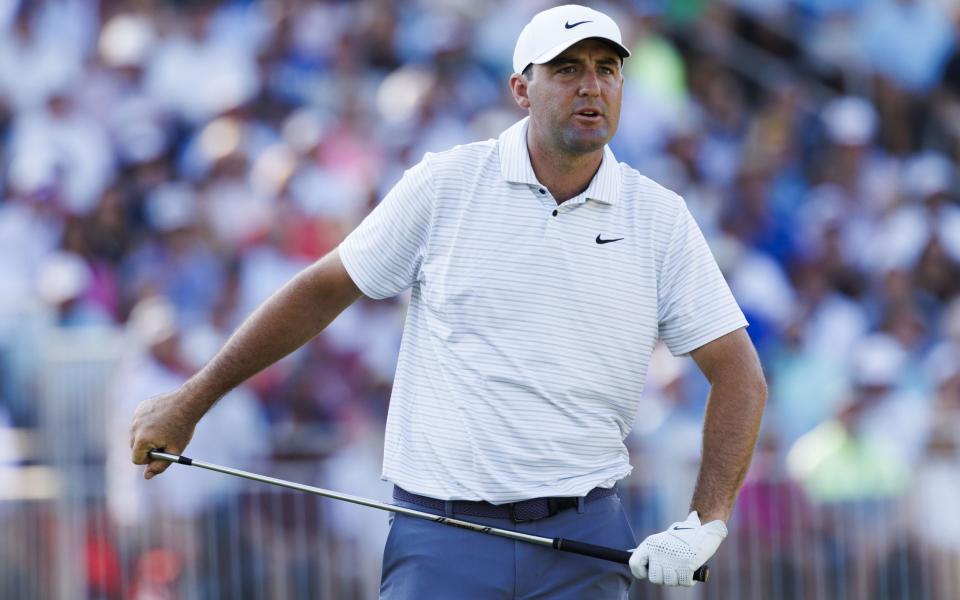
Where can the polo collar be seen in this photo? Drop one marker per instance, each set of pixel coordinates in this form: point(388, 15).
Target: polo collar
point(516, 168)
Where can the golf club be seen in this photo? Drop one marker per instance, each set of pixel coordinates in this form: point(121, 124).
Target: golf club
point(601, 552)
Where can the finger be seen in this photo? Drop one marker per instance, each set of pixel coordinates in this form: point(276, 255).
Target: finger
point(155, 468)
point(670, 576)
point(159, 466)
point(655, 571)
point(638, 562)
point(685, 577)
point(141, 450)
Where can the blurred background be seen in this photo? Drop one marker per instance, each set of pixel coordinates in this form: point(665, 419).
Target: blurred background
point(166, 165)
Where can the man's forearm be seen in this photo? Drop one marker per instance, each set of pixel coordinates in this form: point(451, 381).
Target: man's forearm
point(731, 424)
point(284, 322)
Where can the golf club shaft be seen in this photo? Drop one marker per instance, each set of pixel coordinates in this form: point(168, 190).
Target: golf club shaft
point(601, 552)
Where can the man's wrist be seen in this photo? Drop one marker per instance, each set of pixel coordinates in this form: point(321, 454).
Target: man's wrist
point(708, 515)
point(197, 398)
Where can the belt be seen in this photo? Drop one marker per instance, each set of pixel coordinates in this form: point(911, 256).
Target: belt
point(518, 512)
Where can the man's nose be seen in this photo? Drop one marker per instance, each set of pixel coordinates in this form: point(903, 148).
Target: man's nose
point(590, 84)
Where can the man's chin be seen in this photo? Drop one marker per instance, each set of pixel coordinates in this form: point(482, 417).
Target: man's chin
point(585, 144)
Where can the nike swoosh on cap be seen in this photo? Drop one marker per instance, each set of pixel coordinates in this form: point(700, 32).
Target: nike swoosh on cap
point(569, 26)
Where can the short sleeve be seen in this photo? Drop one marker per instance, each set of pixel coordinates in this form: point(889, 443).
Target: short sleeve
point(384, 253)
point(695, 305)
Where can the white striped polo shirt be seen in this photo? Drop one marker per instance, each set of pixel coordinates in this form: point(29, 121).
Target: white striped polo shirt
point(530, 325)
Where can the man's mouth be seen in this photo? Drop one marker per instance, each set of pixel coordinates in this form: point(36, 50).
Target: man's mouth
point(588, 116)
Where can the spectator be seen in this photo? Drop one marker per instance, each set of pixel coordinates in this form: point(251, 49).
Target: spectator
point(236, 434)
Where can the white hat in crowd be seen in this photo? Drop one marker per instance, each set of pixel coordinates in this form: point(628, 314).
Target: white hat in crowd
point(927, 174)
point(849, 121)
point(153, 320)
point(62, 276)
point(878, 360)
point(552, 31)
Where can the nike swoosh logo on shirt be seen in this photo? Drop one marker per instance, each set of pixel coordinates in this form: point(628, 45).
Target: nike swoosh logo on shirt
point(602, 241)
point(568, 25)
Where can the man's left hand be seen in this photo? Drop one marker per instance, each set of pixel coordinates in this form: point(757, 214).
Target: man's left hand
point(671, 557)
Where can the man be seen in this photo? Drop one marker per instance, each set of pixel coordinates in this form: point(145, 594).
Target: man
point(542, 274)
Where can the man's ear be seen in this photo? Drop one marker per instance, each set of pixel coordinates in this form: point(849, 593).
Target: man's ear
point(518, 85)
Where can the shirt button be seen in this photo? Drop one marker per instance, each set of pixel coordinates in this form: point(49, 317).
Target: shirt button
point(543, 190)
point(554, 213)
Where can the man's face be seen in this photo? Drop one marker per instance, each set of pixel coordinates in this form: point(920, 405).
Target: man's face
point(574, 100)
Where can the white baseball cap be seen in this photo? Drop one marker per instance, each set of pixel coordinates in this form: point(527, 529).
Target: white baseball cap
point(552, 31)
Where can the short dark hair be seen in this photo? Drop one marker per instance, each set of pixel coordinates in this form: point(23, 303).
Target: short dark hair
point(528, 72)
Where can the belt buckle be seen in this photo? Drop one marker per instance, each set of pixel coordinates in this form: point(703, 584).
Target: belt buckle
point(554, 505)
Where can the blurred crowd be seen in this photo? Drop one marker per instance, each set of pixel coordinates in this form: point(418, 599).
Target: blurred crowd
point(168, 164)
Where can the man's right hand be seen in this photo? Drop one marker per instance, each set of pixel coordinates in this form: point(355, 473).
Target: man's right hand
point(160, 423)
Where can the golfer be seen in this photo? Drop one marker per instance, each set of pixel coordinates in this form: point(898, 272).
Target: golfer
point(542, 273)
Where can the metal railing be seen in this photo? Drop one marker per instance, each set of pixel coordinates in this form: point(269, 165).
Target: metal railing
point(258, 543)
point(67, 530)
point(264, 542)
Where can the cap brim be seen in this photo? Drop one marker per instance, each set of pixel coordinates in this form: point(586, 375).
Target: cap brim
point(552, 53)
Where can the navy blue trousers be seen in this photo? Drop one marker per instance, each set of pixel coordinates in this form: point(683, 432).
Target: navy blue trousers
point(424, 560)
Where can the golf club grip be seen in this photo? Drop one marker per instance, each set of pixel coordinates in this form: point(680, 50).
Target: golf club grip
point(612, 554)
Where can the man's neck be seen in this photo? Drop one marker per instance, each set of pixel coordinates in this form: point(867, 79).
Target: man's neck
point(565, 175)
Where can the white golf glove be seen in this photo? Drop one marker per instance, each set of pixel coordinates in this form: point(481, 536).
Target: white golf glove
point(672, 557)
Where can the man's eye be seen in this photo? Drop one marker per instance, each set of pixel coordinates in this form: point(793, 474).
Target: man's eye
point(568, 69)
